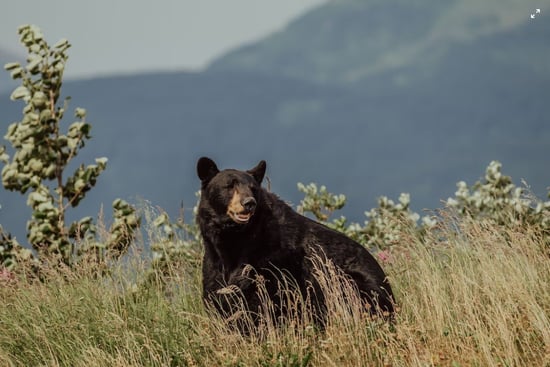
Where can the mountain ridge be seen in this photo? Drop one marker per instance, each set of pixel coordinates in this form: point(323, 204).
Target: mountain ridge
point(363, 36)
point(417, 128)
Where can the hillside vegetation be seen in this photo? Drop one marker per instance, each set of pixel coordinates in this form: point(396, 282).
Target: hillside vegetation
point(470, 293)
point(471, 285)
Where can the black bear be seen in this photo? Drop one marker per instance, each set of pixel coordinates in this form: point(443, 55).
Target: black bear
point(244, 227)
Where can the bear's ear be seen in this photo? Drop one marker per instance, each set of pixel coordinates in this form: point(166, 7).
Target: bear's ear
point(206, 169)
point(258, 172)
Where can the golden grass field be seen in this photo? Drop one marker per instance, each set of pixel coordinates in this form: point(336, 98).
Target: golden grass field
point(469, 293)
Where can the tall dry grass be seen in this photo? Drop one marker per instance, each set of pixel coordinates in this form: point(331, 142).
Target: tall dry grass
point(470, 293)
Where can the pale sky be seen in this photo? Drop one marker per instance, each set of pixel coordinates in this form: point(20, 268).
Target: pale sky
point(112, 36)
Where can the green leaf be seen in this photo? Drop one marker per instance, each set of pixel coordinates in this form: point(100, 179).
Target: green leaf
point(46, 207)
point(35, 165)
point(39, 99)
point(80, 113)
point(46, 228)
point(132, 220)
point(35, 48)
point(11, 65)
point(4, 157)
point(39, 215)
point(85, 220)
point(70, 142)
point(20, 92)
point(45, 115)
point(36, 32)
point(35, 197)
point(49, 172)
point(75, 129)
point(102, 162)
point(62, 43)
point(8, 173)
point(17, 73)
point(79, 184)
point(34, 63)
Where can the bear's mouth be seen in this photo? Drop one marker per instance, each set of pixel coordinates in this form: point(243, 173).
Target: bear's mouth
point(241, 217)
point(241, 207)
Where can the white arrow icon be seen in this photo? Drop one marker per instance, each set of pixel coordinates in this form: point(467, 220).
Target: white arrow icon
point(538, 11)
point(532, 16)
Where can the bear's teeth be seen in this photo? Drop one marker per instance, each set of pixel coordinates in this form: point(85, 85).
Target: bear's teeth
point(241, 218)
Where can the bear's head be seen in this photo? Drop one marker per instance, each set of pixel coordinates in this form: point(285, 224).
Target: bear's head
point(231, 194)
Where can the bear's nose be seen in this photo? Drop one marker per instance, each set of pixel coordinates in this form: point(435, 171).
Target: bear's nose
point(249, 204)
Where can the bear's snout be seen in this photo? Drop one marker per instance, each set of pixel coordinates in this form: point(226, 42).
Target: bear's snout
point(249, 204)
point(241, 207)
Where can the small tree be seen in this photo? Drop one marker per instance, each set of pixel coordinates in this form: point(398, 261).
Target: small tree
point(43, 152)
point(497, 199)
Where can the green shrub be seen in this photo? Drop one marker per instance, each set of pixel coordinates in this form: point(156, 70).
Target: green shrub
point(43, 152)
point(498, 199)
point(384, 227)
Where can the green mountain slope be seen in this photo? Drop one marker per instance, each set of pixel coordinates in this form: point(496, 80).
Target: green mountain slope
point(346, 41)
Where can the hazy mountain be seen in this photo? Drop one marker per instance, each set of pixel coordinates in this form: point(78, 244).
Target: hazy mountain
point(350, 40)
point(381, 97)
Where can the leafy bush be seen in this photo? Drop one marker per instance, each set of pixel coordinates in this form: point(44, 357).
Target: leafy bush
point(11, 252)
point(43, 153)
point(178, 242)
point(499, 200)
point(384, 227)
point(496, 199)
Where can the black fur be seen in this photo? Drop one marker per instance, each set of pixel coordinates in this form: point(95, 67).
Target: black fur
point(275, 239)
